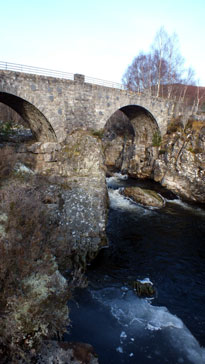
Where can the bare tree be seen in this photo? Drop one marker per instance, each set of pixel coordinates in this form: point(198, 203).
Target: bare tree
point(200, 95)
point(188, 80)
point(159, 72)
point(138, 75)
point(169, 61)
point(159, 51)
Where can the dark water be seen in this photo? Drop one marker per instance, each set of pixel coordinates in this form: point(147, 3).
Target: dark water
point(168, 247)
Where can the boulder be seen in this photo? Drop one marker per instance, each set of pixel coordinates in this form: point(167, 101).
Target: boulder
point(67, 352)
point(144, 289)
point(144, 196)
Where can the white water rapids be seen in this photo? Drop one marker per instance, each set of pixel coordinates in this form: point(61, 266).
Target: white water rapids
point(148, 245)
point(136, 314)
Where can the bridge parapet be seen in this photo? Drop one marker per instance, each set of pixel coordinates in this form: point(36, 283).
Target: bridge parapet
point(15, 67)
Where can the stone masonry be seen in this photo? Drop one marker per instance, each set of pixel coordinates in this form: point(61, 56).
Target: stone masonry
point(54, 107)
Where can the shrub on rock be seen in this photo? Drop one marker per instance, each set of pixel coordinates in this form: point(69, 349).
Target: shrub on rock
point(33, 293)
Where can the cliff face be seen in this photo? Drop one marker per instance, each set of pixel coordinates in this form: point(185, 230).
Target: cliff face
point(177, 160)
point(76, 192)
point(53, 211)
point(81, 165)
point(180, 165)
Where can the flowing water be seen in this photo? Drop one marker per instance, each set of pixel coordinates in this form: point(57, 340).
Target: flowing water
point(167, 247)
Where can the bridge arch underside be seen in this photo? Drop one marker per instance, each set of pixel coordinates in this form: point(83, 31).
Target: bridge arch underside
point(128, 141)
point(37, 122)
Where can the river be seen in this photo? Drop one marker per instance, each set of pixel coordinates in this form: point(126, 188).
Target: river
point(167, 247)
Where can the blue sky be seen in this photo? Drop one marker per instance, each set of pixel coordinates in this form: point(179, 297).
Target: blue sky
point(98, 38)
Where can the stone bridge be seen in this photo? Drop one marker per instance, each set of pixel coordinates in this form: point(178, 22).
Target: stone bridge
point(54, 106)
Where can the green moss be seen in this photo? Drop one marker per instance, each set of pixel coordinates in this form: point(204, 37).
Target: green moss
point(195, 150)
point(6, 128)
point(97, 133)
point(191, 150)
point(156, 139)
point(175, 125)
point(194, 125)
point(153, 194)
point(162, 151)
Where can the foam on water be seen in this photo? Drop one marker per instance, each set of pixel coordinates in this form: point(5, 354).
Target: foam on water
point(186, 206)
point(145, 280)
point(118, 201)
point(117, 176)
point(136, 314)
point(116, 180)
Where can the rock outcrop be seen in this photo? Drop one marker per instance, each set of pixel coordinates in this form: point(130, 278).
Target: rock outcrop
point(65, 352)
point(180, 166)
point(144, 196)
point(177, 160)
point(76, 192)
point(68, 184)
point(144, 288)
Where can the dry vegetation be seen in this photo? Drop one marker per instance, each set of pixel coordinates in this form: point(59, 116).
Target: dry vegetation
point(33, 295)
point(7, 162)
point(33, 291)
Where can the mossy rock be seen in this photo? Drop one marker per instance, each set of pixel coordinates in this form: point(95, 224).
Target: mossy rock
point(144, 196)
point(144, 289)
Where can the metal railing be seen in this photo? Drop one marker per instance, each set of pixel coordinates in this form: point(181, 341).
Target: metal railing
point(98, 81)
point(7, 66)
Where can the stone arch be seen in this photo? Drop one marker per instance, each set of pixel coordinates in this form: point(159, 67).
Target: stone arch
point(39, 125)
point(137, 111)
point(143, 122)
point(128, 140)
point(118, 124)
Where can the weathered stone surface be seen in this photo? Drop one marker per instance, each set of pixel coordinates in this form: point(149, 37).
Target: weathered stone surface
point(40, 147)
point(113, 153)
point(74, 193)
point(64, 352)
point(181, 166)
point(144, 289)
point(81, 156)
point(84, 192)
point(178, 162)
point(3, 220)
point(77, 175)
point(129, 148)
point(143, 155)
point(143, 196)
point(54, 106)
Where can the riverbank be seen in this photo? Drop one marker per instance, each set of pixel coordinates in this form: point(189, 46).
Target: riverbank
point(54, 210)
